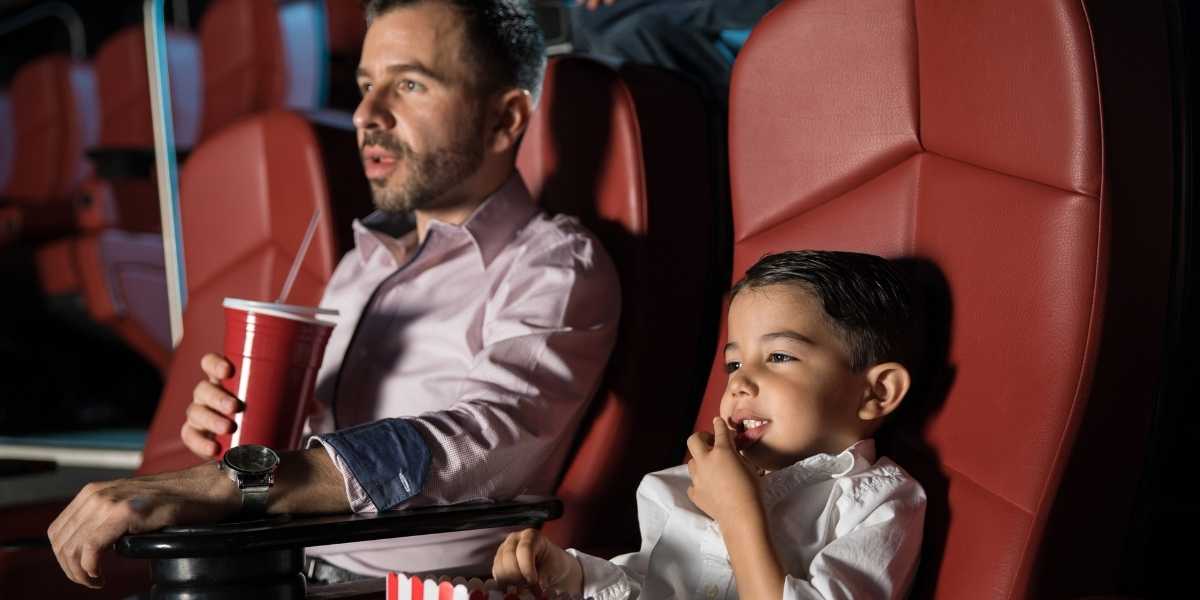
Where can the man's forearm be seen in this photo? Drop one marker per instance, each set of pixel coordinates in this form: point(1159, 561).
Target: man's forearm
point(756, 566)
point(307, 482)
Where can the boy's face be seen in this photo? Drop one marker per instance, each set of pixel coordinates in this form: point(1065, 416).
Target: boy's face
point(791, 393)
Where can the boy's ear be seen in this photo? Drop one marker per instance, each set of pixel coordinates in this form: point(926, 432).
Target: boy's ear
point(512, 109)
point(887, 383)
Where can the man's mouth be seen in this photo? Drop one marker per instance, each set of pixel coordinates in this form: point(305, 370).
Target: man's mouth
point(748, 431)
point(377, 162)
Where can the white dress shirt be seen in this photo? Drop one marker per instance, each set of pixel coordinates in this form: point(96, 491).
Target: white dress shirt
point(843, 526)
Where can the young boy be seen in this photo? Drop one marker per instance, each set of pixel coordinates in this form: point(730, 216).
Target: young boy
point(786, 495)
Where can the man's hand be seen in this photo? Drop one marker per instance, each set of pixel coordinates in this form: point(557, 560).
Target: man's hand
point(724, 485)
point(211, 412)
point(528, 557)
point(103, 512)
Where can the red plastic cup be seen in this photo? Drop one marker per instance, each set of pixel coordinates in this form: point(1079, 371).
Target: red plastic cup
point(276, 350)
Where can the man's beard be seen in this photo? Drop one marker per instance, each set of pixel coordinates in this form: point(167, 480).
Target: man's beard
point(430, 174)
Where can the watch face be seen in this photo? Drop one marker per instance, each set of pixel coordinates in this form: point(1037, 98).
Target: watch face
point(251, 458)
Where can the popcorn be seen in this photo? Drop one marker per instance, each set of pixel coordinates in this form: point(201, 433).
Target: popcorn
point(403, 587)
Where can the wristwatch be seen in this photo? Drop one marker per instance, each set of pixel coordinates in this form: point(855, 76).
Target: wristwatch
point(252, 468)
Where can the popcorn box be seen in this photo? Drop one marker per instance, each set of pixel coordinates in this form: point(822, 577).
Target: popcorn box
point(403, 587)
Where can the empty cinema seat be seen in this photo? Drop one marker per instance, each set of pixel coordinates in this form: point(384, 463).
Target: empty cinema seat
point(124, 89)
point(53, 103)
point(227, 188)
point(244, 68)
point(244, 208)
point(964, 140)
point(628, 151)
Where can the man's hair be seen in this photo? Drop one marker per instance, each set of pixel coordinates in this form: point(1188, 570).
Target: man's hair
point(505, 40)
point(863, 296)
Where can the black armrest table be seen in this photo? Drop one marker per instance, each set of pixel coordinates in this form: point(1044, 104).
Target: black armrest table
point(264, 559)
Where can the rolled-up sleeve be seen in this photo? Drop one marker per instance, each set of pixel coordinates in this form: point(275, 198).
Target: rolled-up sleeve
point(383, 463)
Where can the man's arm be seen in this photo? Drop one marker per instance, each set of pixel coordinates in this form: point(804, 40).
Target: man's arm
point(547, 334)
point(306, 482)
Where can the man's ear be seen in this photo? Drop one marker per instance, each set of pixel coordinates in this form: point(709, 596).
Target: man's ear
point(887, 383)
point(512, 109)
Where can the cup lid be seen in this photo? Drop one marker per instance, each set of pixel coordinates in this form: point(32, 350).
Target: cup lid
point(308, 314)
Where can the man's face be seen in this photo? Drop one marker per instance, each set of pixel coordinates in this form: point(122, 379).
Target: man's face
point(791, 392)
point(421, 121)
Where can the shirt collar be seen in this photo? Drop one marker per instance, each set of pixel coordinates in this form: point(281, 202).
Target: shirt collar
point(489, 228)
point(853, 460)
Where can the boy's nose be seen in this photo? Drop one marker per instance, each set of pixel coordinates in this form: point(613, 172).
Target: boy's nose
point(741, 384)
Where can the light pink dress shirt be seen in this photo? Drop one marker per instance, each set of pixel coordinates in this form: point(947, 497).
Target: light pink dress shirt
point(490, 338)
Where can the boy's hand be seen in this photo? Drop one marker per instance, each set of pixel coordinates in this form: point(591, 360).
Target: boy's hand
point(724, 485)
point(528, 557)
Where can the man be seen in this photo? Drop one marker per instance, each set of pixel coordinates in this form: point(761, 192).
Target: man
point(468, 346)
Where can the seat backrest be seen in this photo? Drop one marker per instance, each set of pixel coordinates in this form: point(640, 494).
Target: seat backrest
point(246, 196)
point(962, 138)
point(244, 66)
point(628, 153)
point(54, 121)
point(124, 89)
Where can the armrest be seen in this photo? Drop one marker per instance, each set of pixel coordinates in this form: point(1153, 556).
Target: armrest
point(283, 532)
point(265, 558)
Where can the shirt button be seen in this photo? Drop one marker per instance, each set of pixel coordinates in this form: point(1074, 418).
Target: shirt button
point(710, 591)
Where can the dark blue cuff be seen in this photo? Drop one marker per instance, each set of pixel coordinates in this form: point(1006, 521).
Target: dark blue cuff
point(389, 458)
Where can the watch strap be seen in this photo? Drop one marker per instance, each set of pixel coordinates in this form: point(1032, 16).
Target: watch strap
point(254, 499)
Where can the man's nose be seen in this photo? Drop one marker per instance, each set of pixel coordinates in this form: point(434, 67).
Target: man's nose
point(372, 112)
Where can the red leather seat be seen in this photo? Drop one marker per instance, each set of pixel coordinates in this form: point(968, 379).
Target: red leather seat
point(53, 121)
point(244, 209)
point(628, 152)
point(53, 114)
point(227, 186)
point(124, 88)
point(965, 138)
point(243, 61)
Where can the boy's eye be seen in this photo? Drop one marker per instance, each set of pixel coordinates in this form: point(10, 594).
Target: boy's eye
point(778, 357)
point(732, 366)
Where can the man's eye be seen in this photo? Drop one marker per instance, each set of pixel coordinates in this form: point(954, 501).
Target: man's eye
point(409, 85)
point(364, 88)
point(732, 366)
point(777, 357)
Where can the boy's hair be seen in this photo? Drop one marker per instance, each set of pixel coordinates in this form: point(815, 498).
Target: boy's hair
point(863, 296)
point(505, 40)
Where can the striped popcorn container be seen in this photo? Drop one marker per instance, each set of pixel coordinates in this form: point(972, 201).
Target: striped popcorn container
point(403, 587)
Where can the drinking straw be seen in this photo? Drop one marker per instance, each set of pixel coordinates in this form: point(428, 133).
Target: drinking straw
point(291, 276)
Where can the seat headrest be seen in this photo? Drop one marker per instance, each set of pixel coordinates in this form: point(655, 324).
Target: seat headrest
point(54, 121)
point(122, 80)
point(836, 97)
